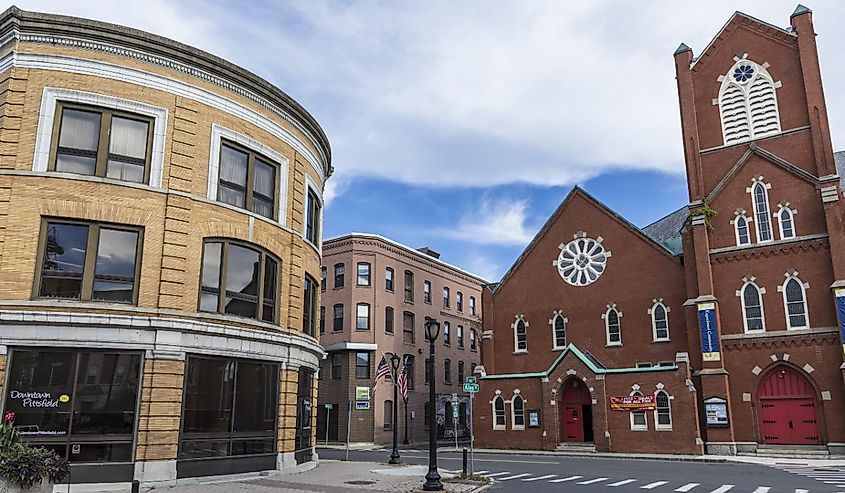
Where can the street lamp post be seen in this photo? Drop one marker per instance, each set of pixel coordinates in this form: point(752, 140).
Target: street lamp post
point(432, 479)
point(394, 362)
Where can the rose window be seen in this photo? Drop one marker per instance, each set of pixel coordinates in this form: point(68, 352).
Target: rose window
point(582, 261)
point(743, 73)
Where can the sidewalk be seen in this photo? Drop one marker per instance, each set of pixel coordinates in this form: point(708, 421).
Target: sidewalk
point(329, 476)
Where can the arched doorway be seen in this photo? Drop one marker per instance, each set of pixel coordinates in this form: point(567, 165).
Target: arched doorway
point(788, 413)
point(576, 412)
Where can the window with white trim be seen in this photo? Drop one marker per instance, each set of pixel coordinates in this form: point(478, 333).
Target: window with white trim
point(638, 419)
point(613, 327)
point(786, 223)
point(498, 405)
point(662, 411)
point(520, 334)
point(472, 305)
point(762, 218)
point(660, 321)
point(743, 237)
point(447, 334)
point(558, 331)
point(752, 308)
point(795, 302)
point(517, 412)
point(748, 103)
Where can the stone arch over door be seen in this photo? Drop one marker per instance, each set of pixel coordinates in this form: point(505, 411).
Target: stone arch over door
point(576, 411)
point(789, 408)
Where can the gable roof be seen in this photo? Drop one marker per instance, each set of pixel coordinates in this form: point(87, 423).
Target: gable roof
point(577, 190)
point(738, 17)
point(667, 230)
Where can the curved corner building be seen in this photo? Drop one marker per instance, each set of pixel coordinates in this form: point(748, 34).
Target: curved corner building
point(160, 225)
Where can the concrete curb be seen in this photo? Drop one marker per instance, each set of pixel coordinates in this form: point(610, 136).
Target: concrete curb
point(599, 455)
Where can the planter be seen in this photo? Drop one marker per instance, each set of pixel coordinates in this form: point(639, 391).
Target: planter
point(7, 486)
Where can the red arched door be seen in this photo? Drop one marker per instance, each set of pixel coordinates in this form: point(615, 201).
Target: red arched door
point(788, 408)
point(576, 417)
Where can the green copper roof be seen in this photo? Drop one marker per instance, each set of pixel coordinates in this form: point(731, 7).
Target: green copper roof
point(800, 9)
point(683, 47)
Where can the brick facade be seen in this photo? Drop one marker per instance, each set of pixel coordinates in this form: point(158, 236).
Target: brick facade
point(693, 261)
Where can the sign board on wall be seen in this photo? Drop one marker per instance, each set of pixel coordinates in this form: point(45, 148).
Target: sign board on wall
point(533, 418)
point(632, 403)
point(362, 393)
point(716, 410)
point(362, 405)
point(709, 332)
point(840, 312)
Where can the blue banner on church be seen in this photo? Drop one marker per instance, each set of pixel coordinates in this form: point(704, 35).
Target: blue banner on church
point(840, 312)
point(709, 332)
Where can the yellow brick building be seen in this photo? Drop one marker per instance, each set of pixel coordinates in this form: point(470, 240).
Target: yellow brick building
point(160, 229)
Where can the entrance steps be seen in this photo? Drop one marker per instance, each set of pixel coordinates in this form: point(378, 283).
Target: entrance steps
point(576, 447)
point(790, 451)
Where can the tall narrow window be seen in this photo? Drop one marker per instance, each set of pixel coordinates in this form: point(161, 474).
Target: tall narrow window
point(408, 327)
point(323, 276)
point(362, 318)
point(409, 286)
point(742, 236)
point(312, 220)
point(447, 371)
point(663, 411)
point(338, 275)
point(752, 307)
point(337, 324)
point(363, 274)
point(337, 365)
point(322, 320)
point(559, 331)
point(447, 334)
point(459, 301)
point(410, 363)
point(388, 319)
point(388, 415)
point(638, 418)
point(240, 280)
point(460, 372)
point(460, 336)
point(309, 308)
point(761, 213)
point(472, 305)
point(445, 297)
point(388, 279)
point(427, 292)
point(787, 228)
point(362, 365)
point(427, 371)
point(614, 327)
point(473, 344)
point(498, 413)
point(748, 103)
point(517, 413)
point(520, 335)
point(796, 304)
point(659, 322)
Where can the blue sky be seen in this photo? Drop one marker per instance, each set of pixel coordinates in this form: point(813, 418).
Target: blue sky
point(462, 125)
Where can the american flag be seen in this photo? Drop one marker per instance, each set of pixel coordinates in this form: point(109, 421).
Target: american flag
point(382, 370)
point(402, 380)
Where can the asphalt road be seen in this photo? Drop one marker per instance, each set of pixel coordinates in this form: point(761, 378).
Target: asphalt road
point(546, 473)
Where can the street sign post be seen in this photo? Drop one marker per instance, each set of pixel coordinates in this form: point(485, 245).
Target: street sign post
point(471, 388)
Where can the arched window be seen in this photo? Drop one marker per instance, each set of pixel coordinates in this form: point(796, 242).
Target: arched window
point(517, 413)
point(761, 212)
point(558, 331)
point(638, 419)
point(388, 415)
point(662, 411)
point(752, 308)
point(748, 103)
point(787, 228)
point(795, 301)
point(613, 326)
point(742, 235)
point(520, 335)
point(498, 412)
point(660, 322)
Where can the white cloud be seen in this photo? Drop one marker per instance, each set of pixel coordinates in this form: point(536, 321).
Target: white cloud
point(492, 222)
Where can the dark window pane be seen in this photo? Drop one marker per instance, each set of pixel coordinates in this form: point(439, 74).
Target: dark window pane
point(64, 260)
point(242, 281)
point(40, 376)
point(114, 275)
point(208, 396)
point(271, 268)
point(211, 259)
point(255, 391)
point(253, 447)
point(196, 449)
point(100, 452)
point(106, 393)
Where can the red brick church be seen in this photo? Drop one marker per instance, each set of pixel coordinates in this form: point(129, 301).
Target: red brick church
point(714, 329)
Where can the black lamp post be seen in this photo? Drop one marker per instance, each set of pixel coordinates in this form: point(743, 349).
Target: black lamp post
point(394, 362)
point(432, 479)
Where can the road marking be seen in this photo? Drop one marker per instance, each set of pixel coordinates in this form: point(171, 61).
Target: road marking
point(500, 461)
point(723, 488)
point(687, 487)
point(538, 478)
point(591, 481)
point(653, 485)
point(498, 474)
point(762, 489)
point(570, 478)
point(515, 476)
point(623, 482)
point(803, 491)
point(481, 472)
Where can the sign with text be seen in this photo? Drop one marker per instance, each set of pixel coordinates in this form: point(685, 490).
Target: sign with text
point(840, 312)
point(362, 393)
point(362, 405)
point(709, 332)
point(632, 403)
point(473, 380)
point(716, 411)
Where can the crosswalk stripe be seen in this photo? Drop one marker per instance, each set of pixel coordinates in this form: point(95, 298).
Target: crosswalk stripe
point(802, 491)
point(653, 485)
point(481, 472)
point(723, 488)
point(687, 487)
point(491, 475)
point(623, 482)
point(570, 478)
point(538, 478)
point(762, 489)
point(591, 481)
point(515, 476)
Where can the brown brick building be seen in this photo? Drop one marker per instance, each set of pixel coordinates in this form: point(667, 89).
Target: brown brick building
point(376, 296)
point(160, 233)
point(714, 329)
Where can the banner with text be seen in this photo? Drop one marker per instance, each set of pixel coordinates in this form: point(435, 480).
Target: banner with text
point(709, 332)
point(840, 312)
point(632, 403)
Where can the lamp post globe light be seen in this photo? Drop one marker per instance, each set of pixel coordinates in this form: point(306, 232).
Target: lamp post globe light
point(395, 359)
point(432, 479)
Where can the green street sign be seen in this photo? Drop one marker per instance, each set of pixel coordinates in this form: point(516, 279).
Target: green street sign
point(471, 380)
point(329, 406)
point(471, 388)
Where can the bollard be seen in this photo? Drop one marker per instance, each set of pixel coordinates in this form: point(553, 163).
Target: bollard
point(465, 462)
point(136, 486)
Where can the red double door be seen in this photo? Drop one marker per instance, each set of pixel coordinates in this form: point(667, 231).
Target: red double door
point(788, 413)
point(575, 405)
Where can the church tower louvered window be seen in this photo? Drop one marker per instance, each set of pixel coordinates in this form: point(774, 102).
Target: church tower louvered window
point(748, 103)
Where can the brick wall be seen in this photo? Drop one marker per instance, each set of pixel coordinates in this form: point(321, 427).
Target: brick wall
point(160, 411)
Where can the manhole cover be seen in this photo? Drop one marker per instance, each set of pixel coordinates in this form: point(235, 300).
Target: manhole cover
point(360, 482)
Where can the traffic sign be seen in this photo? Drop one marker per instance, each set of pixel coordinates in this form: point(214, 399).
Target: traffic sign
point(470, 380)
point(328, 406)
point(471, 388)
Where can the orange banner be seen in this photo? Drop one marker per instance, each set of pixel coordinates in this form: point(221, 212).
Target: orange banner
point(632, 403)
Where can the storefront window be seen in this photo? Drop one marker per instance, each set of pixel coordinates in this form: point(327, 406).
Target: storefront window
point(83, 405)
